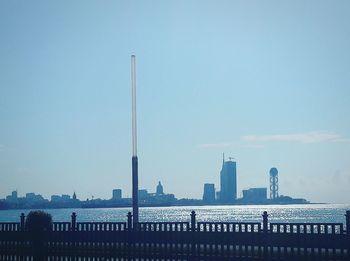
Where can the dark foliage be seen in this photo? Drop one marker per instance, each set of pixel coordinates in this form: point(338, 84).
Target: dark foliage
point(38, 220)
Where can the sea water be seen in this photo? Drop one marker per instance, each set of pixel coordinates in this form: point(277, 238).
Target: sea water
point(308, 213)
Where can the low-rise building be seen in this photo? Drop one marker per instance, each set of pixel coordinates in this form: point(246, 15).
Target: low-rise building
point(255, 195)
point(209, 193)
point(117, 194)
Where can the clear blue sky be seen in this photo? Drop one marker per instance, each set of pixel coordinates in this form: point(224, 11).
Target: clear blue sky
point(266, 82)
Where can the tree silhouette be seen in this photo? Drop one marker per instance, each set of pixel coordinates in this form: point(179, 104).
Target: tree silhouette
point(38, 221)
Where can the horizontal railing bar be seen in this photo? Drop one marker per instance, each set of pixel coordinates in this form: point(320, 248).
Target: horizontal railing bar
point(313, 224)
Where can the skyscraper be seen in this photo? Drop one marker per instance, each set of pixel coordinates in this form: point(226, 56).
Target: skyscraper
point(228, 181)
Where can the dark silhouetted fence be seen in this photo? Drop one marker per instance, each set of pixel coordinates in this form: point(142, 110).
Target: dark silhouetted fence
point(177, 241)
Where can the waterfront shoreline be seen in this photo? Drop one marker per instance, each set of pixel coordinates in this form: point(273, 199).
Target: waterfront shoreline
point(165, 205)
point(225, 213)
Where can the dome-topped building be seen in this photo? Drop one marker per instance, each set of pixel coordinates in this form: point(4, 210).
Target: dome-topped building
point(159, 190)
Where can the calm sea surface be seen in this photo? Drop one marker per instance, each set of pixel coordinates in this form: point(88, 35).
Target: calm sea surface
point(289, 213)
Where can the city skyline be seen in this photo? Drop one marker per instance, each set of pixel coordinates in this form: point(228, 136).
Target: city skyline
point(265, 82)
point(224, 193)
point(227, 195)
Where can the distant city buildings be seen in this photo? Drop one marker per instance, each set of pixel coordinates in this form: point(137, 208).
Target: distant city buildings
point(13, 198)
point(143, 194)
point(117, 194)
point(255, 195)
point(228, 181)
point(228, 189)
point(209, 193)
point(64, 201)
point(227, 195)
point(159, 198)
point(159, 189)
point(32, 197)
point(56, 198)
point(32, 200)
point(63, 198)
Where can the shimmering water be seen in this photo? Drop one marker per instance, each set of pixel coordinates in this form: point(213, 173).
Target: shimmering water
point(286, 213)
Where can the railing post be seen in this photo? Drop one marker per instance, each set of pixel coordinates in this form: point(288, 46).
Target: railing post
point(193, 221)
point(129, 221)
point(193, 230)
point(22, 228)
point(265, 221)
point(347, 216)
point(265, 230)
point(74, 221)
point(129, 237)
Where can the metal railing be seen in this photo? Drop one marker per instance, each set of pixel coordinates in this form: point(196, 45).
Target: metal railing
point(177, 240)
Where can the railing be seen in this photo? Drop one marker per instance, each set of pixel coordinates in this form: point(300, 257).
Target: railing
point(9, 226)
point(307, 228)
point(101, 226)
point(163, 226)
point(61, 226)
point(177, 240)
point(228, 227)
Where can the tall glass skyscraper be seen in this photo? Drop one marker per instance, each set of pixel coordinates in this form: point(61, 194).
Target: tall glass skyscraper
point(228, 181)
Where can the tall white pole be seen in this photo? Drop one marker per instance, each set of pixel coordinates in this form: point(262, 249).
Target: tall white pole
point(135, 203)
point(133, 93)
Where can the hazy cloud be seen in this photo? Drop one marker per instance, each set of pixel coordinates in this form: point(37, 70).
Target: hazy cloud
point(253, 146)
point(229, 144)
point(214, 145)
point(338, 177)
point(307, 137)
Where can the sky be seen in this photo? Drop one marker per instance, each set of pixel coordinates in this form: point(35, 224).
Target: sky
point(265, 82)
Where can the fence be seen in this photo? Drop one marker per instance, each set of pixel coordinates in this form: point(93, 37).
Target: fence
point(177, 241)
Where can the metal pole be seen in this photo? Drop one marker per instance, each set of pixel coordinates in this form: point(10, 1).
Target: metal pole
point(135, 203)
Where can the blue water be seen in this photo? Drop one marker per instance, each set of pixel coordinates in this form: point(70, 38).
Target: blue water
point(324, 213)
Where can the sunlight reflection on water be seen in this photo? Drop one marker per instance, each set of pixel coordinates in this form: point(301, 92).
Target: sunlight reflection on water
point(286, 213)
